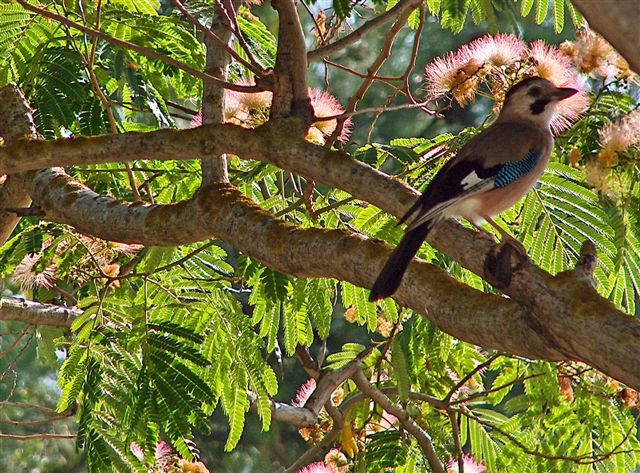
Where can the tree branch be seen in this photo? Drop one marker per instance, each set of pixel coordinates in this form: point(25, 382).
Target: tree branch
point(214, 168)
point(554, 318)
point(387, 17)
point(17, 124)
point(290, 90)
point(423, 438)
point(35, 313)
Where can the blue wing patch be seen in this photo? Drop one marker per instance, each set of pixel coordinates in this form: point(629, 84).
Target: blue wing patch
point(511, 172)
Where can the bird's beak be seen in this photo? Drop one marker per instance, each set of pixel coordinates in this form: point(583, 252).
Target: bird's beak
point(562, 93)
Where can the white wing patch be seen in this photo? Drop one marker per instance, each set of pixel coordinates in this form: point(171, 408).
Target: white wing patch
point(471, 180)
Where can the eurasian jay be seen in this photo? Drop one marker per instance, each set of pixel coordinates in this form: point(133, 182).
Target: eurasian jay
point(490, 173)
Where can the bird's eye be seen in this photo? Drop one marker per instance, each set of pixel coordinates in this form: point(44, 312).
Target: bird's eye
point(534, 91)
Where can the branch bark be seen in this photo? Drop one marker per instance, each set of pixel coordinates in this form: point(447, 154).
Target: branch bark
point(214, 168)
point(423, 438)
point(17, 124)
point(290, 90)
point(35, 313)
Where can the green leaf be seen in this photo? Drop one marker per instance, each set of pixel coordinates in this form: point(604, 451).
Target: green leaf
point(542, 7)
point(558, 15)
point(400, 369)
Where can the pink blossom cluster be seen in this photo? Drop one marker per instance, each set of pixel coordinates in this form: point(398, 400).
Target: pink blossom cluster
point(500, 61)
point(252, 110)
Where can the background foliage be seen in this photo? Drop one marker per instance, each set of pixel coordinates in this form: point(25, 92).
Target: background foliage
point(170, 351)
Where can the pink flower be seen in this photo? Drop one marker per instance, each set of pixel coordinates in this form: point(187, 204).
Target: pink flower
point(621, 135)
point(317, 467)
point(326, 105)
point(550, 63)
point(499, 50)
point(29, 277)
point(469, 464)
point(304, 392)
point(337, 461)
point(444, 74)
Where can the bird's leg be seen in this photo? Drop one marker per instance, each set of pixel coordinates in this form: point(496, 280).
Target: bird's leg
point(506, 239)
point(482, 233)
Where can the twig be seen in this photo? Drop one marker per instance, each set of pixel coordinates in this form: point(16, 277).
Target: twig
point(470, 375)
point(37, 436)
point(15, 343)
point(371, 72)
point(232, 18)
point(216, 39)
point(138, 49)
point(329, 50)
point(424, 440)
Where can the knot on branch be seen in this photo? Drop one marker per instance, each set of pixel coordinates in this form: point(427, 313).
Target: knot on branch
point(502, 262)
point(585, 266)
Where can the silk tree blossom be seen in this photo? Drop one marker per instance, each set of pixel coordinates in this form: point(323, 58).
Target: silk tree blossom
point(495, 61)
point(500, 50)
point(550, 63)
point(251, 110)
point(337, 461)
point(618, 137)
point(317, 467)
point(304, 393)
point(326, 105)
point(469, 464)
point(29, 277)
point(595, 57)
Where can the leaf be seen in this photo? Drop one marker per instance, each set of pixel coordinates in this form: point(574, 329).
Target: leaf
point(525, 7)
point(236, 404)
point(400, 369)
point(541, 10)
point(558, 15)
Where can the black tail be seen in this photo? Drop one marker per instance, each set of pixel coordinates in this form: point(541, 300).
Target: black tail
point(389, 278)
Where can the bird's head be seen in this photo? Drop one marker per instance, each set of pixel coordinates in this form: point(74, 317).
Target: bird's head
point(534, 100)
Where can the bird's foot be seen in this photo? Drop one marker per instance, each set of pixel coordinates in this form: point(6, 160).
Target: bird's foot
point(482, 234)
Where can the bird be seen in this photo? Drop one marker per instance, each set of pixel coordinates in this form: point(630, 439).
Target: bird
point(490, 173)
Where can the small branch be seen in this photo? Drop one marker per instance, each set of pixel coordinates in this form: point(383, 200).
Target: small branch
point(216, 39)
point(133, 47)
point(470, 375)
point(371, 72)
point(331, 49)
point(37, 436)
point(328, 382)
point(15, 343)
point(423, 438)
point(314, 451)
point(286, 413)
point(230, 11)
point(290, 90)
point(35, 313)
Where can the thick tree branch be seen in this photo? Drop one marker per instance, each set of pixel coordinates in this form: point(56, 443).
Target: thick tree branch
point(17, 124)
point(214, 169)
point(572, 321)
point(292, 415)
point(617, 22)
point(387, 17)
